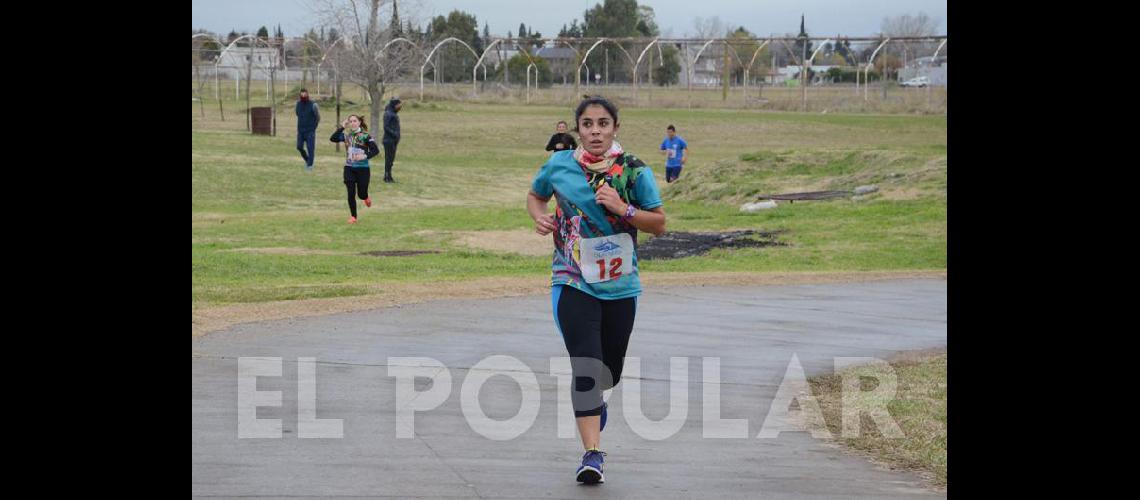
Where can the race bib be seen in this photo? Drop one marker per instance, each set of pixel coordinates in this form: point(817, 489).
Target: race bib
point(606, 258)
point(672, 153)
point(353, 152)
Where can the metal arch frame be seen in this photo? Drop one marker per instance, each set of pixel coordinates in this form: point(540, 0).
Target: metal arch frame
point(577, 74)
point(751, 62)
point(642, 55)
point(405, 40)
point(929, 87)
point(325, 55)
point(689, 66)
point(266, 67)
point(530, 63)
point(803, 70)
point(237, 86)
point(795, 58)
point(528, 67)
point(284, 66)
point(817, 49)
point(568, 45)
point(757, 53)
point(578, 53)
point(428, 58)
point(702, 50)
point(207, 35)
point(646, 49)
point(812, 58)
point(943, 44)
point(739, 61)
point(376, 58)
point(703, 47)
point(308, 40)
point(660, 56)
point(217, 91)
point(867, 67)
point(479, 62)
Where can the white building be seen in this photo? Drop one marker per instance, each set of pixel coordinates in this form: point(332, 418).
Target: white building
point(233, 61)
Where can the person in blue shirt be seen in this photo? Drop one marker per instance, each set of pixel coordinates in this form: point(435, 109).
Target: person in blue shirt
point(676, 153)
point(604, 196)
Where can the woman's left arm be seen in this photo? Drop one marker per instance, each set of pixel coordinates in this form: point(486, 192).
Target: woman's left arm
point(652, 220)
point(373, 150)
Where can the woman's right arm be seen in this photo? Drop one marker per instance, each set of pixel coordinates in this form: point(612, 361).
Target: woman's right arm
point(537, 208)
point(337, 136)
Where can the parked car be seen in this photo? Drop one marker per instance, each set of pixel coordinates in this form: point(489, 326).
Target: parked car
point(920, 81)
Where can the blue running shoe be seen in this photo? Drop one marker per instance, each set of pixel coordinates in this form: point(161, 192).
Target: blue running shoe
point(590, 472)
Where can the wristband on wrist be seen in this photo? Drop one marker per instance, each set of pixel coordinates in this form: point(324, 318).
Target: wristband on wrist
point(629, 211)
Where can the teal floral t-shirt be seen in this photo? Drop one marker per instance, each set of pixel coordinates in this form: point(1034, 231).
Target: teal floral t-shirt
point(594, 251)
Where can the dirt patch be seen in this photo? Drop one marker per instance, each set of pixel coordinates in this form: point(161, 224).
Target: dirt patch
point(520, 241)
point(677, 244)
point(208, 319)
point(396, 253)
point(285, 251)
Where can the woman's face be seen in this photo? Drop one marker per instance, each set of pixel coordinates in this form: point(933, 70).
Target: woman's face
point(561, 128)
point(596, 129)
point(353, 122)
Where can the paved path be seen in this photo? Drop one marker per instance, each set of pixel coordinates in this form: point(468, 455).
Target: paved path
point(755, 331)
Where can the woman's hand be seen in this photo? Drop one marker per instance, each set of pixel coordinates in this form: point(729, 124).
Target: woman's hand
point(608, 197)
point(544, 224)
point(344, 123)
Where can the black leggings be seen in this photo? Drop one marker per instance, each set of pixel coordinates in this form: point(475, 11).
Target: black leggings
point(596, 333)
point(356, 181)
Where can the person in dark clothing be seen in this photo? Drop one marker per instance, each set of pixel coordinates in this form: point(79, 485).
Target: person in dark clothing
point(359, 148)
point(561, 141)
point(308, 117)
point(391, 136)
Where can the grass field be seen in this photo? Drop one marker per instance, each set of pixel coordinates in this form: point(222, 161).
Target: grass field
point(265, 230)
point(919, 409)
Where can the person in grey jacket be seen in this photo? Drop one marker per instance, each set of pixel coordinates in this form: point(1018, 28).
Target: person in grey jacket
point(308, 117)
point(391, 136)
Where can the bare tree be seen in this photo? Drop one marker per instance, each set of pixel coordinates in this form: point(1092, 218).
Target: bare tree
point(910, 25)
point(362, 57)
point(707, 28)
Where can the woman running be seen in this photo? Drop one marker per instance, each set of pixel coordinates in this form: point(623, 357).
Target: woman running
point(359, 148)
point(604, 196)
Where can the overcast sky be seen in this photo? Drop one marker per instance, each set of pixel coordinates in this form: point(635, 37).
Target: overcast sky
point(762, 17)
